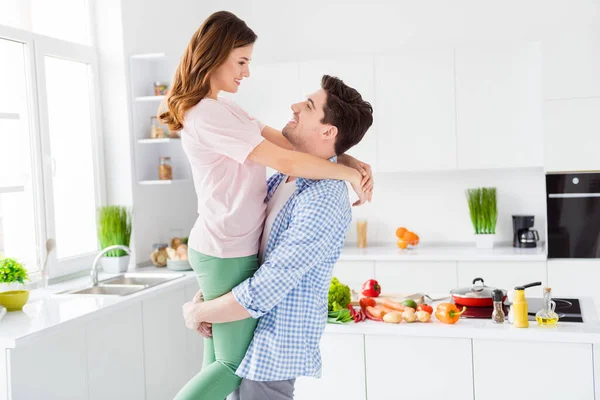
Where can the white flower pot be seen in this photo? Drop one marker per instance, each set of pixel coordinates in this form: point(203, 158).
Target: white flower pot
point(115, 264)
point(484, 241)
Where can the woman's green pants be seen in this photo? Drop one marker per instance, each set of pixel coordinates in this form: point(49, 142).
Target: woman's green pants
point(224, 352)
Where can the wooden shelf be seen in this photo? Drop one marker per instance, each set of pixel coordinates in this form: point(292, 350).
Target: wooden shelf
point(12, 116)
point(149, 98)
point(163, 182)
point(156, 141)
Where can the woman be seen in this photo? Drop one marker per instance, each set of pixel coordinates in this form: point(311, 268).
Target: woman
point(228, 154)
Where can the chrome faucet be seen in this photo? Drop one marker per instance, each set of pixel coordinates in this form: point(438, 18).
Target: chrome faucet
point(94, 272)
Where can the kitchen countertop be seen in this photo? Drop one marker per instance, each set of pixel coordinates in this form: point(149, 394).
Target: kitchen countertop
point(47, 312)
point(443, 253)
point(564, 332)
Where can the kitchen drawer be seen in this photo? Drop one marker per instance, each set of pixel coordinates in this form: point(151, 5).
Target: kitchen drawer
point(416, 276)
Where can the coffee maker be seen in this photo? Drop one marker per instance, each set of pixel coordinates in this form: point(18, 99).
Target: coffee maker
point(523, 236)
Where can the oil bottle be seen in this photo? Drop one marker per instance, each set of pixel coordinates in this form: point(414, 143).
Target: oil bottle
point(547, 316)
point(520, 306)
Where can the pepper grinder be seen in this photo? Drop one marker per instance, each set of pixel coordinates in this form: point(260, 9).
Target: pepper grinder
point(498, 313)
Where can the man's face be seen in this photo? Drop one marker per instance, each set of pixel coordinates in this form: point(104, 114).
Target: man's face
point(305, 131)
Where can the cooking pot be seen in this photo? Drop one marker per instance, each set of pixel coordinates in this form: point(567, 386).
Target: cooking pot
point(477, 295)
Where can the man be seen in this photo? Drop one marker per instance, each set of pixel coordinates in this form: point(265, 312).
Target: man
point(305, 229)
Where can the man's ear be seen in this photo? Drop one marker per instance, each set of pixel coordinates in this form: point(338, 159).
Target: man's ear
point(331, 132)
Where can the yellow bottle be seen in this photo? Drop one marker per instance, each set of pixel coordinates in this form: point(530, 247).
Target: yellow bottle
point(520, 306)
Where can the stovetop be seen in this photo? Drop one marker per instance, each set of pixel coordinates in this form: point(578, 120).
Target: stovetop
point(568, 310)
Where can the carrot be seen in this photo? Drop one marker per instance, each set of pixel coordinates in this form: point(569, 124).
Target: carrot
point(393, 305)
point(386, 309)
point(374, 312)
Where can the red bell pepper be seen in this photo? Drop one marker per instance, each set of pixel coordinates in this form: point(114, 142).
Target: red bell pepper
point(371, 288)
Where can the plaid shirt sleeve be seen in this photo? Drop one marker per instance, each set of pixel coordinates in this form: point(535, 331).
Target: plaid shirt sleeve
point(306, 242)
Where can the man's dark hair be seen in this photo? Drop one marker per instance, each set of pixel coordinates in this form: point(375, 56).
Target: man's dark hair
point(346, 110)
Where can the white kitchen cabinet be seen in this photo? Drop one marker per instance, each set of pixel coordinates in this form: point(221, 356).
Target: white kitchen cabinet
point(523, 370)
point(504, 275)
point(356, 73)
point(115, 354)
point(499, 106)
point(165, 344)
point(575, 278)
point(195, 342)
point(343, 373)
point(53, 367)
point(416, 368)
point(597, 370)
point(571, 64)
point(405, 277)
point(354, 273)
point(572, 135)
point(415, 110)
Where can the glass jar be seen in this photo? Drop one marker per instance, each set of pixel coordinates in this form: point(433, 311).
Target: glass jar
point(165, 171)
point(160, 88)
point(547, 316)
point(498, 313)
point(156, 131)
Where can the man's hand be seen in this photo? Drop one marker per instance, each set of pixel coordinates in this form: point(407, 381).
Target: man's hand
point(367, 183)
point(189, 314)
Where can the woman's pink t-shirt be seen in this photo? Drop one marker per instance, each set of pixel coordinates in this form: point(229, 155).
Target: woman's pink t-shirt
point(217, 138)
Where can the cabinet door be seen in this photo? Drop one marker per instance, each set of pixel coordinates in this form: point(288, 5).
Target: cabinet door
point(401, 367)
point(354, 273)
point(53, 367)
point(404, 277)
point(195, 343)
point(504, 275)
point(415, 111)
point(356, 73)
point(597, 370)
point(115, 354)
point(575, 278)
point(532, 370)
point(499, 106)
point(571, 138)
point(571, 64)
point(165, 347)
point(343, 372)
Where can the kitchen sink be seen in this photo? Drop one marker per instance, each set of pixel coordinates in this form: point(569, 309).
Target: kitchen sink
point(125, 284)
point(138, 279)
point(108, 290)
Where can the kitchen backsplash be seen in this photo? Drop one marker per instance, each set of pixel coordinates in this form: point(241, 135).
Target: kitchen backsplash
point(433, 204)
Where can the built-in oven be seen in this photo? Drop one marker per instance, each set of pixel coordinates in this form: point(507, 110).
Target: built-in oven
point(573, 204)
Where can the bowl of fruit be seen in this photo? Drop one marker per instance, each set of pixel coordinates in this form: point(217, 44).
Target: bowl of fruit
point(406, 239)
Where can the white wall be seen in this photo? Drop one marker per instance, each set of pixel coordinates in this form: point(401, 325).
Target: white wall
point(430, 203)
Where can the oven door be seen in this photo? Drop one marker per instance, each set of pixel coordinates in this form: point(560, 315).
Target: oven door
point(573, 204)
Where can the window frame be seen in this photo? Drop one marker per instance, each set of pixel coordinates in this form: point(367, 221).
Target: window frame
point(37, 47)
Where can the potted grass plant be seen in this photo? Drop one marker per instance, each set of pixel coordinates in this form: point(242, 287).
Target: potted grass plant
point(13, 275)
point(484, 215)
point(114, 227)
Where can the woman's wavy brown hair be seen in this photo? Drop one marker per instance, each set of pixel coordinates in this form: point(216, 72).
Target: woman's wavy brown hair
point(208, 49)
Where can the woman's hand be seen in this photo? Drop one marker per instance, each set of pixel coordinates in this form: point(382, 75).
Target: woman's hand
point(367, 183)
point(358, 188)
point(189, 310)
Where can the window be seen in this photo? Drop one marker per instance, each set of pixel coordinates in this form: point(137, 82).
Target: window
point(51, 179)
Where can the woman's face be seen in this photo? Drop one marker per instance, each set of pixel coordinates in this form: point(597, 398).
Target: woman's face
point(228, 76)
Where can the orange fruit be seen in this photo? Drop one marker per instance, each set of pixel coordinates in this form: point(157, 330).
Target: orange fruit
point(400, 232)
point(409, 237)
point(402, 244)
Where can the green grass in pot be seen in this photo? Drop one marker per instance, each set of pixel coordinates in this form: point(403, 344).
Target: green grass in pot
point(114, 227)
point(483, 210)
